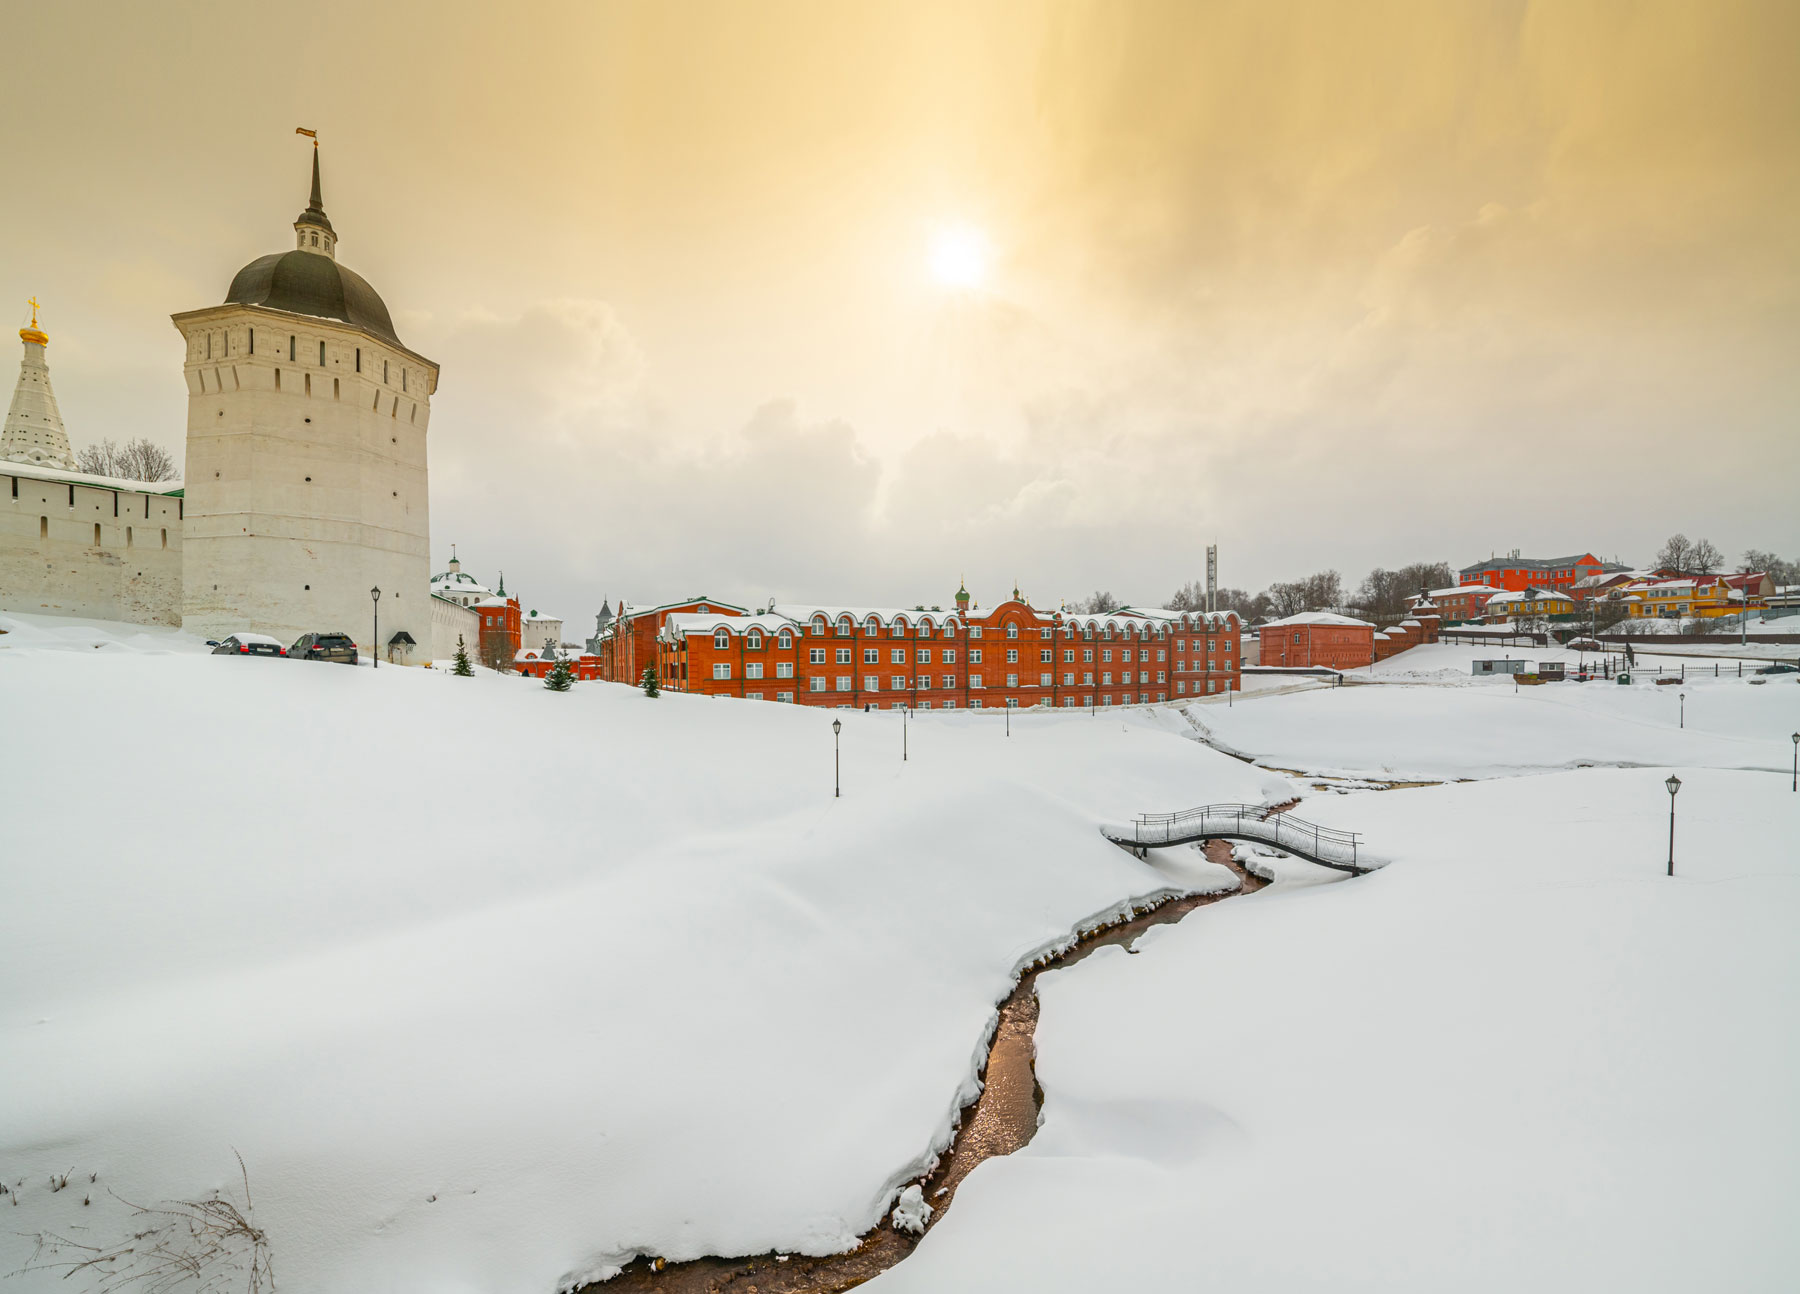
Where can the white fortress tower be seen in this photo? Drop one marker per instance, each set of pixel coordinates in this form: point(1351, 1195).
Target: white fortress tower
point(305, 480)
point(34, 427)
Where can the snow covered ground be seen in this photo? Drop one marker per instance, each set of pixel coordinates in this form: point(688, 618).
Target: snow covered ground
point(493, 988)
point(1493, 728)
point(1520, 1057)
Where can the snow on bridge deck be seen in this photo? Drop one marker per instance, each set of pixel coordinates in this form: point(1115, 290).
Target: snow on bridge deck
point(1257, 823)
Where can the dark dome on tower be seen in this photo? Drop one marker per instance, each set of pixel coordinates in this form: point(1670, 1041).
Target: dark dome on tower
point(306, 283)
point(309, 280)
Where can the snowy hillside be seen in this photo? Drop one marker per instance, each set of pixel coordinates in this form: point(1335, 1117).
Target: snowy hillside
point(492, 987)
point(1498, 1064)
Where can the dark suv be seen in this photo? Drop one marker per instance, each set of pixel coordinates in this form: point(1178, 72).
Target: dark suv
point(337, 647)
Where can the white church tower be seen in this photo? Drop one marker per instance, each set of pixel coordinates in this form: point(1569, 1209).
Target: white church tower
point(306, 480)
point(34, 427)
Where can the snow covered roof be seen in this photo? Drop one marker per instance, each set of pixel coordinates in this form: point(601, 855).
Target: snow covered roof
point(10, 468)
point(246, 636)
point(1318, 618)
point(460, 584)
point(691, 622)
point(1529, 595)
point(1470, 589)
point(494, 602)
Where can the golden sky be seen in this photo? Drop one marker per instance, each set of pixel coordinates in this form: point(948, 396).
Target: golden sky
point(1333, 284)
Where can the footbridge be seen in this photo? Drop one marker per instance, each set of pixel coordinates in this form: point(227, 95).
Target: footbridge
point(1254, 823)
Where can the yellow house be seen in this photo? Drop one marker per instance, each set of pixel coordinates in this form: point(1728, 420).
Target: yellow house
point(1705, 597)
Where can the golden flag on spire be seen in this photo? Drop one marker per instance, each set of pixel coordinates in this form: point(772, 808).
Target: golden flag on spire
point(310, 134)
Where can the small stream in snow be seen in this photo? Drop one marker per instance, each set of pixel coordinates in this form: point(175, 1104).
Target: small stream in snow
point(1001, 1120)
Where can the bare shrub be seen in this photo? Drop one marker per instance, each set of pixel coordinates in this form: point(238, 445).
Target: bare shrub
point(207, 1246)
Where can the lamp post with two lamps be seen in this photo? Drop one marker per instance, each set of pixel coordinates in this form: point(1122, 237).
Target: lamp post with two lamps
point(375, 648)
point(1674, 785)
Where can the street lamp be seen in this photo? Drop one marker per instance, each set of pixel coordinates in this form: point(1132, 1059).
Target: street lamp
point(905, 715)
point(1683, 710)
point(837, 784)
point(1009, 718)
point(1796, 785)
point(375, 651)
point(1674, 785)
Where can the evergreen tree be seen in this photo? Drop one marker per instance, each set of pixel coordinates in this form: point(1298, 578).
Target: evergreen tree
point(463, 668)
point(652, 686)
point(561, 678)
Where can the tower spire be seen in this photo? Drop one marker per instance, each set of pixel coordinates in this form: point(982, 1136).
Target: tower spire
point(33, 432)
point(313, 227)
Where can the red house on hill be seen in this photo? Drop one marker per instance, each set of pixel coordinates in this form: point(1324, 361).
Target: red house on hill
point(1515, 574)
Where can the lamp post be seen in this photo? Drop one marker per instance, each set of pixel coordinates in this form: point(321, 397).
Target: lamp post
point(905, 715)
point(375, 650)
point(1009, 718)
point(1683, 722)
point(1796, 785)
point(837, 783)
point(1674, 785)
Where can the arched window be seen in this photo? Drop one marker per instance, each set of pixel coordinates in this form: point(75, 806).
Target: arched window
point(872, 626)
point(1012, 631)
point(818, 626)
point(321, 354)
point(753, 639)
point(786, 639)
point(721, 638)
point(843, 627)
point(290, 347)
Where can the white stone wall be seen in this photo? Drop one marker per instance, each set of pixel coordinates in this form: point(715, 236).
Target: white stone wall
point(535, 633)
point(448, 619)
point(306, 480)
point(86, 550)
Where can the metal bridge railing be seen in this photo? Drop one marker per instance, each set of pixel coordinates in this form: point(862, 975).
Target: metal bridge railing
point(1248, 822)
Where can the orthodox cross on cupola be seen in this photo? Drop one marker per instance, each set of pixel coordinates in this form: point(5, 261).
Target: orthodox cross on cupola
point(312, 229)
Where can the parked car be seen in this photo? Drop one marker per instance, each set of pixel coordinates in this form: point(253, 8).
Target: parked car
point(331, 647)
point(1779, 667)
point(249, 644)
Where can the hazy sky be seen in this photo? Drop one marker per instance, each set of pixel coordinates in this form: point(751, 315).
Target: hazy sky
point(1333, 284)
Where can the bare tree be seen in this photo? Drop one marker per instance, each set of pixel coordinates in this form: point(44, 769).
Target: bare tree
point(138, 459)
point(1779, 571)
point(1099, 603)
point(1675, 554)
point(1704, 559)
point(1189, 597)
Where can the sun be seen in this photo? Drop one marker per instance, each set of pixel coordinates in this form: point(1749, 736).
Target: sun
point(959, 257)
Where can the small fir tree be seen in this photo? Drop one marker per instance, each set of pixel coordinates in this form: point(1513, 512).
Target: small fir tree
point(463, 668)
point(652, 687)
point(561, 678)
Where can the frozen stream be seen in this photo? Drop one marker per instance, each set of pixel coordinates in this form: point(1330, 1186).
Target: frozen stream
point(1002, 1119)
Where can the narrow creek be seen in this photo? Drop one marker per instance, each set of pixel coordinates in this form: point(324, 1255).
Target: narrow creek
point(1001, 1120)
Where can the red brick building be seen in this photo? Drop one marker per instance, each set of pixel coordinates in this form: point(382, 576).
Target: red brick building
point(1462, 604)
point(894, 658)
point(500, 631)
point(1318, 638)
point(535, 663)
point(1515, 574)
point(630, 644)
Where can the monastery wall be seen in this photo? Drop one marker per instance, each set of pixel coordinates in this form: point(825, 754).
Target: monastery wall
point(75, 549)
point(448, 619)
